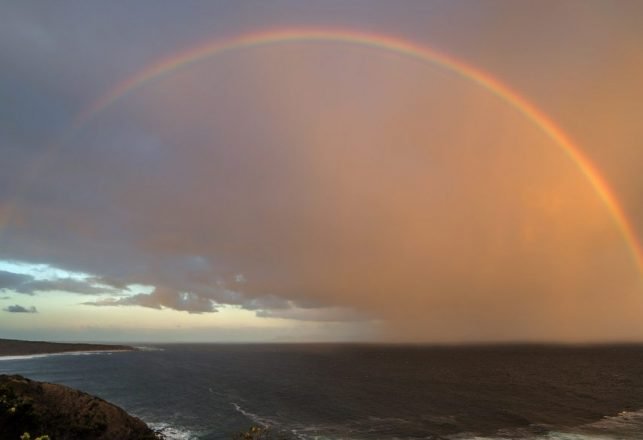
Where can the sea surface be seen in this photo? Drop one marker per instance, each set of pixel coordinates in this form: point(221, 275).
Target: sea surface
point(365, 391)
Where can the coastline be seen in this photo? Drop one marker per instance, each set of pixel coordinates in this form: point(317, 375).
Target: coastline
point(58, 412)
point(13, 348)
point(44, 408)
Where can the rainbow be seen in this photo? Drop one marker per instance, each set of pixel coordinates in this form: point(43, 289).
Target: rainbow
point(396, 45)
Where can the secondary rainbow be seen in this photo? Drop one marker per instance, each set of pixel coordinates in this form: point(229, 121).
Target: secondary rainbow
point(402, 47)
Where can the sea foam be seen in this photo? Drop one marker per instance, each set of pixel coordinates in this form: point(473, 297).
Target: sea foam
point(171, 432)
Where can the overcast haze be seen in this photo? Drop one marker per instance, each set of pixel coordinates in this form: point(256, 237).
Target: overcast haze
point(319, 191)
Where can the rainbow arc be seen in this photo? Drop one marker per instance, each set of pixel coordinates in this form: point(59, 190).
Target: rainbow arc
point(403, 47)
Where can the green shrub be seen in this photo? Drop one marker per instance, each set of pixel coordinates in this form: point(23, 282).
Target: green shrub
point(27, 436)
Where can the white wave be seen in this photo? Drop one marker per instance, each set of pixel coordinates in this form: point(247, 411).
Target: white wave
point(147, 348)
point(265, 422)
point(627, 425)
point(21, 357)
point(312, 433)
point(555, 435)
point(262, 421)
point(65, 353)
point(171, 432)
point(624, 425)
point(308, 432)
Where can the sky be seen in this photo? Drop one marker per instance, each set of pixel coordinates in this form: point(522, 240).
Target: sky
point(327, 190)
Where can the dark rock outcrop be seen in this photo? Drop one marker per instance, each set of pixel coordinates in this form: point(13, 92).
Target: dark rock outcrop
point(62, 413)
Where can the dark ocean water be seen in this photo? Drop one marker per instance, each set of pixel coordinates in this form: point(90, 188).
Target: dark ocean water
point(366, 391)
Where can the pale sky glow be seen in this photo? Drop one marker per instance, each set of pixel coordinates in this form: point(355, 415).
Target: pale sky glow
point(300, 189)
point(141, 324)
point(40, 271)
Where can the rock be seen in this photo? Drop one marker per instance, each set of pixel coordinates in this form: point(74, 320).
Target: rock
point(63, 413)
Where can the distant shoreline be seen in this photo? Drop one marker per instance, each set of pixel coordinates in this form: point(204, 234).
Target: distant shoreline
point(13, 347)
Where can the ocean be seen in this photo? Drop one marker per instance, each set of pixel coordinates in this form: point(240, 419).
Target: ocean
point(326, 391)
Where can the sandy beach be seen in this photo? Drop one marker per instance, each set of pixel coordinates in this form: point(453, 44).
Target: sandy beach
point(12, 347)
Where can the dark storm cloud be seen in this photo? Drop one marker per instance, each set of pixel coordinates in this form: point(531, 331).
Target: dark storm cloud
point(163, 298)
point(63, 285)
point(20, 309)
point(267, 302)
point(10, 280)
point(27, 284)
point(108, 283)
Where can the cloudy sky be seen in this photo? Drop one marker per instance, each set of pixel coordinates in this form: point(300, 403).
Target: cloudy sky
point(319, 190)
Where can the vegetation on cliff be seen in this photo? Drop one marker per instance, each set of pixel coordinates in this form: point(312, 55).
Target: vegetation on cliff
point(30, 409)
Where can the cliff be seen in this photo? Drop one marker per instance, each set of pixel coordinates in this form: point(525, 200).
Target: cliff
point(62, 413)
point(12, 347)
